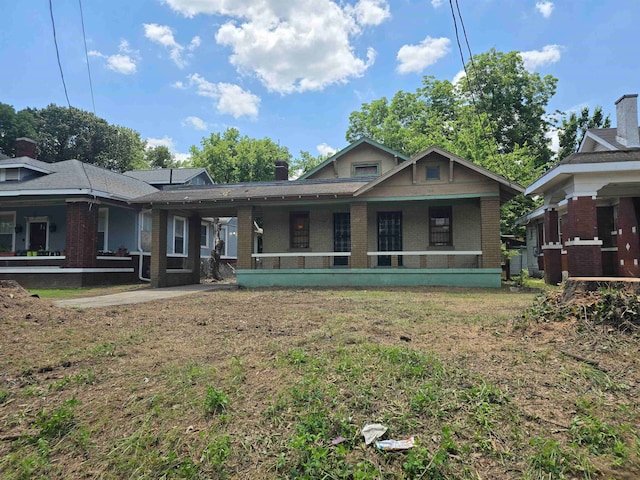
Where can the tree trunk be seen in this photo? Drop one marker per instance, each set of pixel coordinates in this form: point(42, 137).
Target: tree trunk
point(215, 253)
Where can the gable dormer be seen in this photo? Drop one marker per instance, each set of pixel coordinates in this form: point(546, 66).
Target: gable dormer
point(363, 158)
point(21, 169)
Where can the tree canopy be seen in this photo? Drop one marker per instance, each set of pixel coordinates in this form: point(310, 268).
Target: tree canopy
point(573, 129)
point(64, 133)
point(232, 158)
point(495, 117)
point(160, 157)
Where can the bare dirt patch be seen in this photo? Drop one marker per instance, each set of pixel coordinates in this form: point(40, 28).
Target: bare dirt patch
point(456, 368)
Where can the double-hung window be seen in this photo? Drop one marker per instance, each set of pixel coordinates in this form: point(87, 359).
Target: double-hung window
point(7, 231)
point(179, 235)
point(299, 229)
point(440, 231)
point(103, 229)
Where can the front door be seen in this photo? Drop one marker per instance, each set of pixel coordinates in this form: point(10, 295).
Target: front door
point(389, 236)
point(341, 237)
point(37, 235)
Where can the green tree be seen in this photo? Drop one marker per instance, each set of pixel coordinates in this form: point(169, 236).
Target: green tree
point(14, 125)
point(573, 129)
point(232, 158)
point(160, 157)
point(305, 163)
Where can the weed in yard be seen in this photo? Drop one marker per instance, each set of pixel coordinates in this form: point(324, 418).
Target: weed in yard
point(59, 422)
point(216, 401)
point(104, 349)
point(597, 436)
point(4, 395)
point(550, 461)
point(215, 454)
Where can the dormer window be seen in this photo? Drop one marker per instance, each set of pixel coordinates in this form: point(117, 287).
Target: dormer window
point(9, 174)
point(366, 169)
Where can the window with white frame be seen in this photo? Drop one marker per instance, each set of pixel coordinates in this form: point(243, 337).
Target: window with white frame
point(9, 174)
point(204, 235)
point(103, 229)
point(145, 231)
point(179, 235)
point(7, 231)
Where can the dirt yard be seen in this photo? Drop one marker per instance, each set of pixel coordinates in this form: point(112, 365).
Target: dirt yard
point(278, 384)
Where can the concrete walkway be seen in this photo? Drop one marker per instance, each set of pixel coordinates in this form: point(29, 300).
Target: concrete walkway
point(142, 295)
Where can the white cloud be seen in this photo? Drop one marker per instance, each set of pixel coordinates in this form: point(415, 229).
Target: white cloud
point(231, 99)
point(182, 158)
point(163, 35)
point(195, 122)
point(552, 135)
point(545, 8)
point(371, 12)
point(325, 149)
point(123, 62)
point(415, 58)
point(458, 77)
point(436, 3)
point(537, 58)
point(293, 46)
point(163, 141)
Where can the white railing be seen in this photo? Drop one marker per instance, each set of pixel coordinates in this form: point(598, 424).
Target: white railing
point(301, 254)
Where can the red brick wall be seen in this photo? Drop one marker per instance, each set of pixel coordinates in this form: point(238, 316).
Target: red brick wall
point(582, 219)
point(628, 235)
point(584, 261)
point(82, 235)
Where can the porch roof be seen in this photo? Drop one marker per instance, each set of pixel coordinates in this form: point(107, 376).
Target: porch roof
point(281, 190)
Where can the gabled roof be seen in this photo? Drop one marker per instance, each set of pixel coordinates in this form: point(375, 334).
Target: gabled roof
point(605, 137)
point(507, 186)
point(26, 162)
point(347, 149)
point(591, 162)
point(73, 177)
point(167, 176)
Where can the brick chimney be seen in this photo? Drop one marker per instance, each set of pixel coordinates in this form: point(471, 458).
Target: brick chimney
point(25, 147)
point(282, 170)
point(627, 121)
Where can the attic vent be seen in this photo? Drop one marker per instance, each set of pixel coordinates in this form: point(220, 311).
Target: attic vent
point(10, 174)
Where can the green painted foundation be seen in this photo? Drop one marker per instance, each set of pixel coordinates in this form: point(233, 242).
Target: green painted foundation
point(401, 277)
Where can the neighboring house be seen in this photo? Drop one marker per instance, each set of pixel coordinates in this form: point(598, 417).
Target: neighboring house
point(588, 224)
point(72, 224)
point(365, 216)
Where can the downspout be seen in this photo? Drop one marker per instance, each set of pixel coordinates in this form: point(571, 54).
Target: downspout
point(140, 252)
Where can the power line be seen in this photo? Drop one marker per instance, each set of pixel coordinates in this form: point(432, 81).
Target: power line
point(55, 41)
point(86, 54)
point(472, 90)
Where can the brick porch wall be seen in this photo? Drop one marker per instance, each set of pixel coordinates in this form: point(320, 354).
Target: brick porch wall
point(82, 235)
point(583, 259)
point(490, 235)
point(628, 258)
point(552, 248)
point(359, 242)
point(159, 248)
point(245, 237)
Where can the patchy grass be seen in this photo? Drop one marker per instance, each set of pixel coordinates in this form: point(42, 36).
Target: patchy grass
point(65, 293)
point(278, 384)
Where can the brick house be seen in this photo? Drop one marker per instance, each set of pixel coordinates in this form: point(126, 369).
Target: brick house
point(71, 224)
point(588, 225)
point(365, 216)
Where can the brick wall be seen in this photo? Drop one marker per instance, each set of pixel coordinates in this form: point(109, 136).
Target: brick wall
point(82, 235)
point(628, 258)
point(490, 236)
point(551, 249)
point(582, 219)
point(245, 237)
point(359, 235)
point(159, 248)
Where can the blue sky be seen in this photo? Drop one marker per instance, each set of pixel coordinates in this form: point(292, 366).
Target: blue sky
point(176, 70)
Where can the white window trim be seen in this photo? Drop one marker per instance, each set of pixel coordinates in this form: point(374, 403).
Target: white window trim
point(28, 222)
point(184, 236)
point(106, 228)
point(141, 226)
point(13, 230)
point(207, 230)
point(3, 174)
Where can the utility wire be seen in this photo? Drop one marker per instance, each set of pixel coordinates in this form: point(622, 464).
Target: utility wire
point(494, 142)
point(55, 41)
point(86, 54)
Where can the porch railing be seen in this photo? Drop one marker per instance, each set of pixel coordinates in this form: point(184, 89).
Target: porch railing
point(396, 259)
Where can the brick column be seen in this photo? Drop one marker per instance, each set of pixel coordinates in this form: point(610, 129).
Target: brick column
point(627, 240)
point(584, 257)
point(359, 243)
point(552, 248)
point(82, 235)
point(193, 259)
point(245, 237)
point(159, 248)
point(490, 235)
